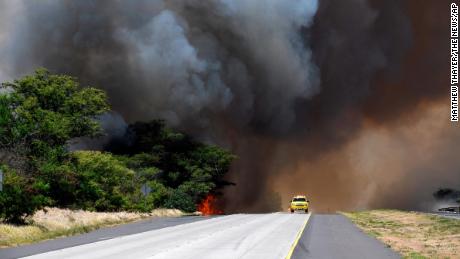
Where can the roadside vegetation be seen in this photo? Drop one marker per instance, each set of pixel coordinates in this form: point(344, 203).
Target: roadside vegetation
point(42, 114)
point(413, 234)
point(51, 223)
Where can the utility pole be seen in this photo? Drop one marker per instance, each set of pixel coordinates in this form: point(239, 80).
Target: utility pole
point(1, 180)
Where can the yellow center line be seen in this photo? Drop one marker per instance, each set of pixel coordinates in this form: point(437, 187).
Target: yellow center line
point(291, 251)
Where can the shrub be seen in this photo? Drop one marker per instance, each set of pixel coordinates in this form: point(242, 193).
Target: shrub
point(105, 182)
point(155, 199)
point(20, 197)
point(180, 200)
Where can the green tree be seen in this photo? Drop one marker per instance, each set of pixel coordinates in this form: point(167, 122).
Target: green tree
point(105, 183)
point(177, 161)
point(20, 196)
point(40, 113)
point(155, 199)
point(206, 166)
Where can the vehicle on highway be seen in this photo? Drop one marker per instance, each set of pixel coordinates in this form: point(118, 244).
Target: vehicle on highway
point(455, 210)
point(299, 203)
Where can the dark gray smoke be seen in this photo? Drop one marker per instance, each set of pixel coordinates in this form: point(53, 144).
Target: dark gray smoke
point(447, 195)
point(180, 60)
point(283, 83)
point(114, 130)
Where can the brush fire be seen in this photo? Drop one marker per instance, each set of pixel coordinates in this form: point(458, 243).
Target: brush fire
point(208, 206)
point(342, 99)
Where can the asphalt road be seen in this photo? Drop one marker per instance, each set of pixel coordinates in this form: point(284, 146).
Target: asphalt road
point(234, 236)
point(334, 236)
point(448, 215)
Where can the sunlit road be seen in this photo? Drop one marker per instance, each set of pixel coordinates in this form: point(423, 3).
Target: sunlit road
point(234, 236)
point(277, 235)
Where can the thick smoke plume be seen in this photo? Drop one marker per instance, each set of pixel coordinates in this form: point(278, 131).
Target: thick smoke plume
point(180, 60)
point(312, 95)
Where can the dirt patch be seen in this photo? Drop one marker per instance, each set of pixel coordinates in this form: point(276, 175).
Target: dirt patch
point(413, 234)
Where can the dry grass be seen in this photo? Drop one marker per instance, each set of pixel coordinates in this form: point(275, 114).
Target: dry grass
point(52, 223)
point(413, 234)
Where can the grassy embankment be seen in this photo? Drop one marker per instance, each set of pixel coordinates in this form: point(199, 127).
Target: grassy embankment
point(52, 223)
point(412, 234)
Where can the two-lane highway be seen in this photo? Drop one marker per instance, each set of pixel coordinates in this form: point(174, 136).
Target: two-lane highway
point(277, 236)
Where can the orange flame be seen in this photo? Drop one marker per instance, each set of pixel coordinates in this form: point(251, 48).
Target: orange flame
point(207, 206)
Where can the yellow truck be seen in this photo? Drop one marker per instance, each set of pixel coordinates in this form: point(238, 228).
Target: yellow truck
point(299, 203)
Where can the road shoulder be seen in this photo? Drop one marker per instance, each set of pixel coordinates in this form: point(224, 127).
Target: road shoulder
point(411, 233)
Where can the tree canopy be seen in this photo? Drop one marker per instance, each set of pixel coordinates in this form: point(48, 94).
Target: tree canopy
point(41, 113)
